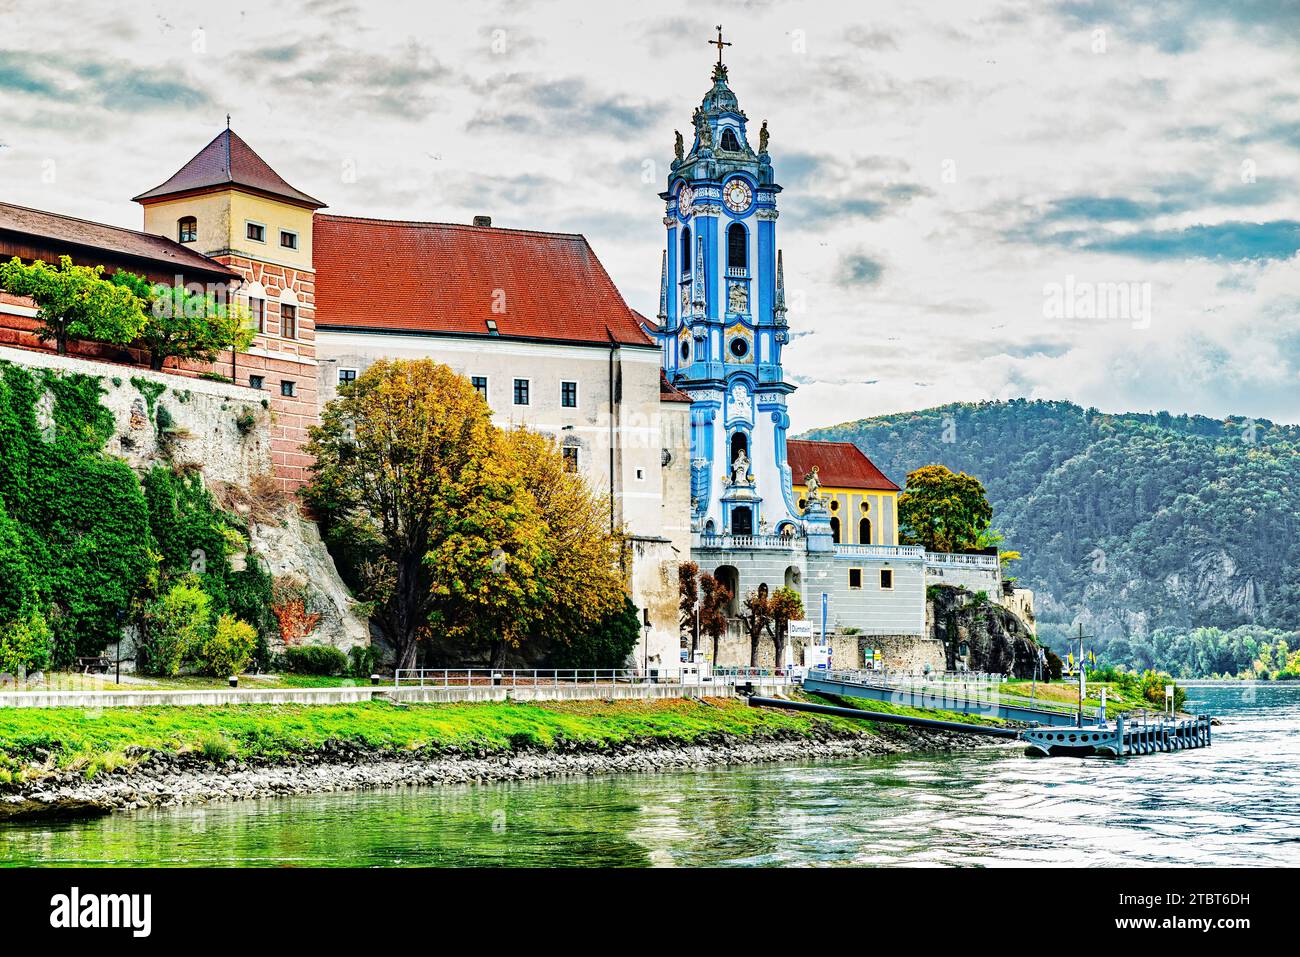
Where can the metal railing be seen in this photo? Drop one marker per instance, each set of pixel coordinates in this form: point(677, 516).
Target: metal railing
point(785, 542)
point(952, 558)
point(563, 677)
point(880, 551)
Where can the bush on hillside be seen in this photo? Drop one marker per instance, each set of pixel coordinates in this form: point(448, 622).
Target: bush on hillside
point(315, 660)
point(25, 645)
point(226, 650)
point(174, 625)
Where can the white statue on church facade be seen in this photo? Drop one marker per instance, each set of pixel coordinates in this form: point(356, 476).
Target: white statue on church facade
point(740, 468)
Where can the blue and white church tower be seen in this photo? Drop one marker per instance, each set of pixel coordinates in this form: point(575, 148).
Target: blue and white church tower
point(722, 320)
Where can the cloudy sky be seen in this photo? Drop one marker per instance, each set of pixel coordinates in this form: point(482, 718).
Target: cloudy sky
point(951, 170)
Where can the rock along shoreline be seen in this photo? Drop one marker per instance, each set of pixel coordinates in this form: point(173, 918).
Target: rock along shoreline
point(160, 779)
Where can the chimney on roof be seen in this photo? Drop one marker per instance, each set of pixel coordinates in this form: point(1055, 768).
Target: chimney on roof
point(482, 220)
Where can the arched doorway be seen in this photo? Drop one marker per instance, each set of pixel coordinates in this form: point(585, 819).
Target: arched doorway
point(793, 577)
point(864, 532)
point(729, 578)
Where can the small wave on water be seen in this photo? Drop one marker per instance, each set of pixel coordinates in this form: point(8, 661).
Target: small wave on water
point(1229, 805)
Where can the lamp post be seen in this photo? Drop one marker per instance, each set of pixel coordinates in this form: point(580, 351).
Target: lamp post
point(645, 644)
point(695, 646)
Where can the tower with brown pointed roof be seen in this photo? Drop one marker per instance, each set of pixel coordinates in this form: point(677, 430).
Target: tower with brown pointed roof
point(229, 204)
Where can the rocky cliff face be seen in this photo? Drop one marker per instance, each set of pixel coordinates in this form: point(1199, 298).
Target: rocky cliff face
point(982, 635)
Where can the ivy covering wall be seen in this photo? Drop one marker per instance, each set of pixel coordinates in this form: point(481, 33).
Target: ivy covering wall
point(83, 542)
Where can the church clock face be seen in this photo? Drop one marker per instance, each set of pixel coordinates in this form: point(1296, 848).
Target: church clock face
point(685, 200)
point(738, 196)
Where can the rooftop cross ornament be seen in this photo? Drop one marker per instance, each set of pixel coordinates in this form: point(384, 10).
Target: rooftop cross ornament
point(719, 43)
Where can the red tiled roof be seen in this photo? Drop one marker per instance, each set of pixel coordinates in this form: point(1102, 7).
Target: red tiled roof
point(58, 231)
point(669, 392)
point(839, 465)
point(229, 161)
point(448, 279)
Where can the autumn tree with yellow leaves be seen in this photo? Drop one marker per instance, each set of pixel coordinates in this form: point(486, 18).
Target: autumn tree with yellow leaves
point(451, 529)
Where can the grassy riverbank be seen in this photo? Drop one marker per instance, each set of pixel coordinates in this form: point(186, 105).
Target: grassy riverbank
point(35, 742)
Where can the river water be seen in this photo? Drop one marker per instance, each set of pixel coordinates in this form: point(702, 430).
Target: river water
point(1236, 803)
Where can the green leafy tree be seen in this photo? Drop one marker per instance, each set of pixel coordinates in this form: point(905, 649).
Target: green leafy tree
point(942, 510)
point(606, 645)
point(75, 302)
point(183, 324)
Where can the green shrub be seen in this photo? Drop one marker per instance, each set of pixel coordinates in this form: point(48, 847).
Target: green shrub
point(216, 747)
point(315, 660)
point(1153, 689)
point(363, 660)
point(25, 645)
point(226, 650)
point(608, 645)
point(174, 625)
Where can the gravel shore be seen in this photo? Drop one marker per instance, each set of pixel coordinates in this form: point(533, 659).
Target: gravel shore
point(167, 780)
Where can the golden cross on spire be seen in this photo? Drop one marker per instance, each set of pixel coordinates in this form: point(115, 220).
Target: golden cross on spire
point(719, 43)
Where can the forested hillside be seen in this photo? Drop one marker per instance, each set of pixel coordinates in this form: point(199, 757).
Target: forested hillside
point(1128, 523)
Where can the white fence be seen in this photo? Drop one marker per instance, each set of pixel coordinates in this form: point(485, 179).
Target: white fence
point(554, 678)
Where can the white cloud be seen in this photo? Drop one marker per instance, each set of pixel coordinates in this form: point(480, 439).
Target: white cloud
point(1111, 166)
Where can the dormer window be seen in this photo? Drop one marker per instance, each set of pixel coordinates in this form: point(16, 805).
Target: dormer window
point(187, 229)
point(729, 141)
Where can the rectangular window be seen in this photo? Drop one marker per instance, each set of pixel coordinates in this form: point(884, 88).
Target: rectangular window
point(569, 395)
point(288, 239)
point(855, 577)
point(521, 391)
point(289, 321)
point(570, 454)
point(257, 314)
point(188, 227)
point(887, 579)
point(479, 382)
point(255, 231)
point(286, 387)
point(255, 381)
point(347, 376)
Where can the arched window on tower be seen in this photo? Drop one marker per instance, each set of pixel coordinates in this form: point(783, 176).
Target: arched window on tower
point(864, 532)
point(686, 250)
point(739, 443)
point(729, 141)
point(737, 250)
point(187, 229)
point(835, 530)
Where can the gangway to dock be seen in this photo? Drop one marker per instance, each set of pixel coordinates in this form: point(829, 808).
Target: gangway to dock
point(1052, 732)
point(977, 698)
